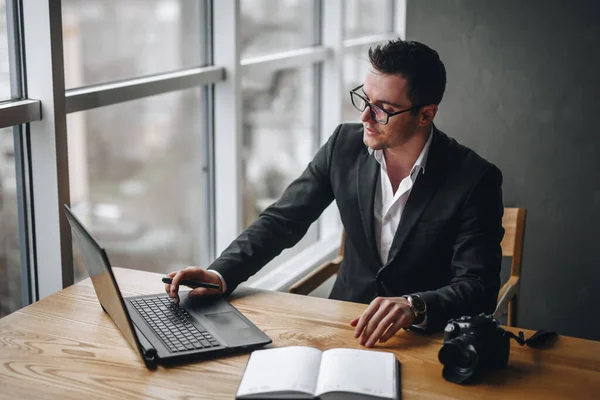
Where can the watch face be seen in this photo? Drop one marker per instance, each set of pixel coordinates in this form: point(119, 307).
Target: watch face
point(418, 304)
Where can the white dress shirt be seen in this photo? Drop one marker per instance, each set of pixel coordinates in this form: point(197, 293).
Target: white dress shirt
point(389, 206)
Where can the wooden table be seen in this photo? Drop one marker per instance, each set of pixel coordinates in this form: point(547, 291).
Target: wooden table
point(66, 347)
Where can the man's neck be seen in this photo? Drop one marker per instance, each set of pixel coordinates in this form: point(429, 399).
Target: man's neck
point(399, 160)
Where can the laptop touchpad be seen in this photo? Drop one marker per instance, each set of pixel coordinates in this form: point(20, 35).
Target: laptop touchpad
point(226, 320)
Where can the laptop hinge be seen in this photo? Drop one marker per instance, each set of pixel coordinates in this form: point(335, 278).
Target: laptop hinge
point(148, 351)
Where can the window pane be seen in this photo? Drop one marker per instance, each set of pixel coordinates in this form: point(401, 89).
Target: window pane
point(107, 40)
point(10, 262)
point(136, 179)
point(278, 134)
point(4, 64)
point(356, 65)
point(271, 26)
point(367, 17)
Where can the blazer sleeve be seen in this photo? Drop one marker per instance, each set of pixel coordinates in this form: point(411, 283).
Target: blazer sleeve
point(477, 257)
point(282, 224)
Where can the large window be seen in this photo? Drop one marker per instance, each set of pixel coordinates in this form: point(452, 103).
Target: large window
point(11, 283)
point(107, 40)
point(137, 180)
point(168, 126)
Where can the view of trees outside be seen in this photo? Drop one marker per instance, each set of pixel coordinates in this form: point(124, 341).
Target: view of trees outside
point(136, 169)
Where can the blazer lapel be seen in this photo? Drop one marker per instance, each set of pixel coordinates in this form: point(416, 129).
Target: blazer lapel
point(367, 178)
point(422, 192)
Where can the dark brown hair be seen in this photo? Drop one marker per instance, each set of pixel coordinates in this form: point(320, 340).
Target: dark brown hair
point(417, 63)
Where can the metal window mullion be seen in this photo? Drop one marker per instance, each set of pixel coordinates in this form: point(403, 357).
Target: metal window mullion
point(19, 112)
point(86, 98)
point(29, 287)
point(28, 283)
point(317, 83)
point(14, 48)
point(332, 78)
point(287, 59)
point(208, 148)
point(49, 169)
point(400, 18)
point(227, 123)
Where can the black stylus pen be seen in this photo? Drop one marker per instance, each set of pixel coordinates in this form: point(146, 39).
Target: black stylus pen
point(193, 284)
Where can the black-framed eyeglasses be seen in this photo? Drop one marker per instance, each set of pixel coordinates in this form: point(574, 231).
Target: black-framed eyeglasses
point(378, 113)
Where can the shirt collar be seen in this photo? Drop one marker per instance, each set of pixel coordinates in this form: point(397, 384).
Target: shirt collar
point(421, 160)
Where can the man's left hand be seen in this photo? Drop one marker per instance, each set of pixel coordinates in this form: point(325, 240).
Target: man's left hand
point(382, 319)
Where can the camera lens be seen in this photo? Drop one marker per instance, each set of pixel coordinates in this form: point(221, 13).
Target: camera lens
point(457, 356)
point(459, 360)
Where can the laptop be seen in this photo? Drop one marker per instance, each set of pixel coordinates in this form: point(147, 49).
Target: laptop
point(161, 331)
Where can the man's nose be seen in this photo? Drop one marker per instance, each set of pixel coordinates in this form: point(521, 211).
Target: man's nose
point(367, 115)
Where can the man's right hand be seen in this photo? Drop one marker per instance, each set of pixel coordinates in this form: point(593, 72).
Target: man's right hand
point(195, 273)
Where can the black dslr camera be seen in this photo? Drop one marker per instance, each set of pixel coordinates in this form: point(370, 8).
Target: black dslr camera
point(471, 346)
point(475, 344)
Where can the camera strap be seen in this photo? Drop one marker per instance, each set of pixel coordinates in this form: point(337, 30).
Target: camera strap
point(540, 339)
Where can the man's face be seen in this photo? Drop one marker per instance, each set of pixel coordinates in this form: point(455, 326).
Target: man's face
point(390, 92)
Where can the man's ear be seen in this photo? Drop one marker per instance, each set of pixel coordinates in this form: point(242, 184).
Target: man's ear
point(427, 114)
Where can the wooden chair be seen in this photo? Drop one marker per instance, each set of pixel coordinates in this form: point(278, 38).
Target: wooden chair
point(512, 246)
point(513, 222)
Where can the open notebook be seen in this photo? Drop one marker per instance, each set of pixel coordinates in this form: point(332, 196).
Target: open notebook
point(307, 373)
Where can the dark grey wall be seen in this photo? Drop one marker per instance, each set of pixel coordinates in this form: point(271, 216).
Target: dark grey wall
point(523, 91)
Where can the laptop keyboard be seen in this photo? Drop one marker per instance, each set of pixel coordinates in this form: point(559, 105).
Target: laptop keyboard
point(173, 325)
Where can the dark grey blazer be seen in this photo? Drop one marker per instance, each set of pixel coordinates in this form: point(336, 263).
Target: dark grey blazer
point(446, 249)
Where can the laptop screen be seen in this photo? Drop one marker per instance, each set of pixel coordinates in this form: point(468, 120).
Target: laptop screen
point(105, 285)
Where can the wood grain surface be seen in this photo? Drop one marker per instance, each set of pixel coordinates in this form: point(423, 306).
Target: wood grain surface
point(66, 347)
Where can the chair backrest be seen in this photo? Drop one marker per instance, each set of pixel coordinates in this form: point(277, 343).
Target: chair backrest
point(513, 222)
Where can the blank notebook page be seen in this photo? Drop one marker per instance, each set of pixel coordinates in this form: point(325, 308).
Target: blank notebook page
point(281, 369)
point(362, 371)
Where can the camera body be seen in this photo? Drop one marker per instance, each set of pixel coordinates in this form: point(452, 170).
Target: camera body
point(471, 346)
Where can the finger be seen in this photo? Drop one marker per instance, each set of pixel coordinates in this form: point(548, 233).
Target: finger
point(186, 273)
point(363, 320)
point(372, 326)
point(181, 274)
point(168, 285)
point(354, 321)
point(392, 330)
point(384, 310)
point(392, 316)
point(365, 317)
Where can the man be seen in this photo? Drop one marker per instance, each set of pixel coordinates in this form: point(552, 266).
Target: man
point(422, 214)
